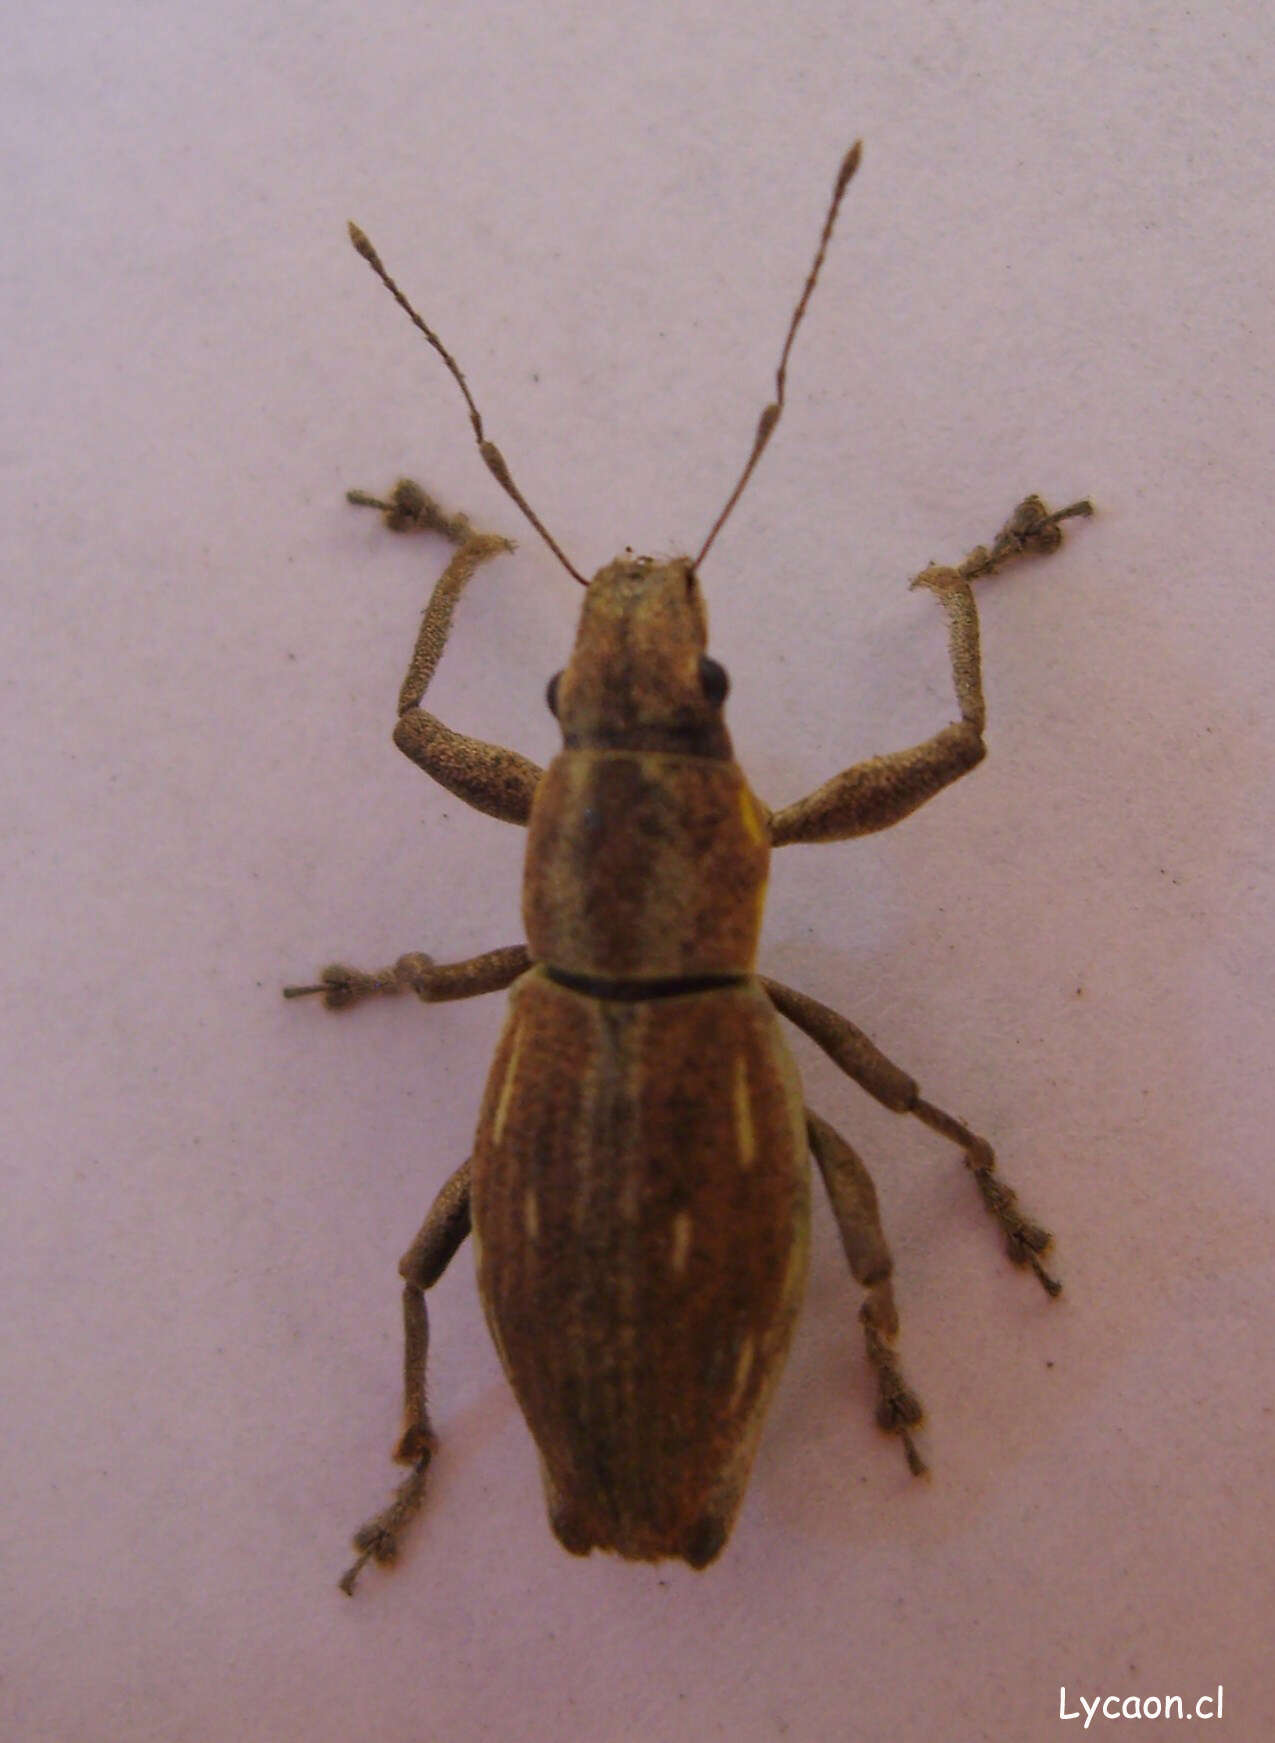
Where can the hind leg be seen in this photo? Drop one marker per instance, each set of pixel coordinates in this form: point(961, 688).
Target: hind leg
point(850, 1048)
point(421, 1266)
point(854, 1204)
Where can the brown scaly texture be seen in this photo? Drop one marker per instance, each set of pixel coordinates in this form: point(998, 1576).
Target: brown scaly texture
point(640, 1206)
point(611, 838)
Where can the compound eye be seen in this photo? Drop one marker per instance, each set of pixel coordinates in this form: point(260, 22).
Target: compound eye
point(551, 694)
point(713, 680)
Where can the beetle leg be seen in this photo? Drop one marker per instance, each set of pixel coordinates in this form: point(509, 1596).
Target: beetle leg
point(1025, 1240)
point(432, 982)
point(873, 795)
point(882, 791)
point(850, 1048)
point(494, 780)
point(854, 1204)
point(421, 1266)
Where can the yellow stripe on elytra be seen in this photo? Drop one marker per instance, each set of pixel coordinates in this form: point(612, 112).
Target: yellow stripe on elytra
point(741, 1101)
point(680, 1243)
point(506, 1090)
point(743, 1368)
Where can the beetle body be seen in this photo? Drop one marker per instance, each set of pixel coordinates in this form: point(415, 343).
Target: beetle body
point(640, 1208)
point(639, 1184)
point(640, 1175)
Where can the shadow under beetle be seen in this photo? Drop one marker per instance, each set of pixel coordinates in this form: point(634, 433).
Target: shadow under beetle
point(638, 1190)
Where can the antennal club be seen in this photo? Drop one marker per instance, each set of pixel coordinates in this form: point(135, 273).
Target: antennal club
point(492, 456)
point(770, 416)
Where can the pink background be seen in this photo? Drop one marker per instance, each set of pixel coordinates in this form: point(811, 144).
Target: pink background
point(1053, 273)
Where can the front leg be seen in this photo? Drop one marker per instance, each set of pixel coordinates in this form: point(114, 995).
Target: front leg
point(874, 794)
point(494, 780)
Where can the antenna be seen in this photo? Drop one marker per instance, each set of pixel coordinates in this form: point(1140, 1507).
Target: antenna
point(492, 456)
point(770, 416)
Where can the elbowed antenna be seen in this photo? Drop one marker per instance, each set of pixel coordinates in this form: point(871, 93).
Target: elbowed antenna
point(492, 456)
point(770, 416)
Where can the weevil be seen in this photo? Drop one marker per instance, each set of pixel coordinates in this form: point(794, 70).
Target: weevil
point(638, 1190)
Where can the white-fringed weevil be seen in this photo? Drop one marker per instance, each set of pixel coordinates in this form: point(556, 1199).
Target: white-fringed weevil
point(638, 1189)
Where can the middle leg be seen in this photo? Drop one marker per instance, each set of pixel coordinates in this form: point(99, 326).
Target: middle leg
point(432, 982)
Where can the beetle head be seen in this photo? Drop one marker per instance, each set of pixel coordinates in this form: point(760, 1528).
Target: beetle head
point(638, 677)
